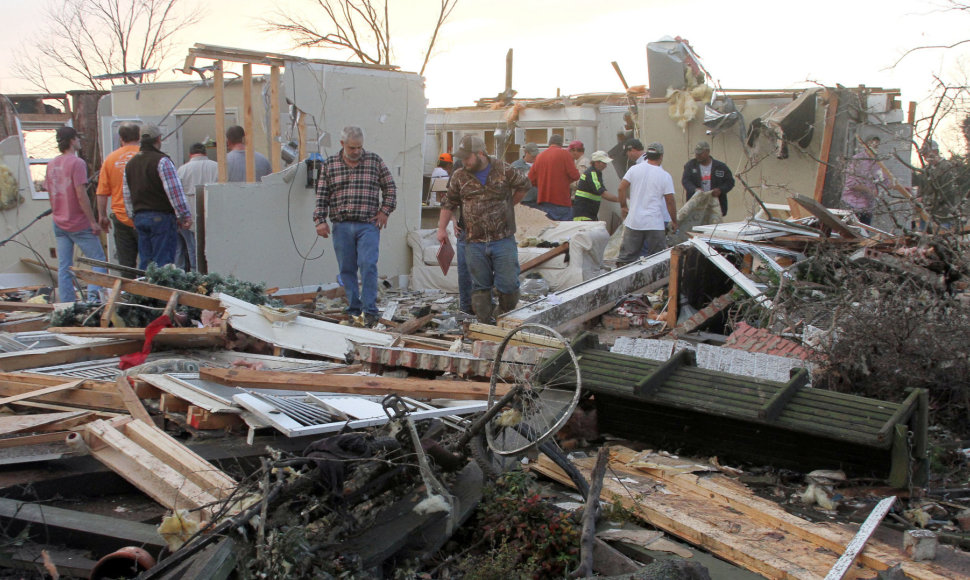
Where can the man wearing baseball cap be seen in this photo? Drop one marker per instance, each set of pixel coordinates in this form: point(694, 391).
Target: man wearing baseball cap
point(704, 173)
point(649, 189)
point(552, 173)
point(634, 151)
point(485, 190)
point(591, 192)
point(74, 221)
point(445, 163)
point(155, 200)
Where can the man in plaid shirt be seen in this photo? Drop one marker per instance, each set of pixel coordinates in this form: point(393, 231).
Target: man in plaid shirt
point(356, 191)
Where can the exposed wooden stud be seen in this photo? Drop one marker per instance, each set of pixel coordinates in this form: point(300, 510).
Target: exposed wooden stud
point(274, 118)
point(248, 122)
point(220, 105)
point(831, 108)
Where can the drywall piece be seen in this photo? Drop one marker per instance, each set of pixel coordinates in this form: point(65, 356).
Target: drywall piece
point(303, 334)
point(733, 273)
point(591, 298)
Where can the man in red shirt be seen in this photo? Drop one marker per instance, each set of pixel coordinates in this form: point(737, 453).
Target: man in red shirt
point(74, 221)
point(552, 173)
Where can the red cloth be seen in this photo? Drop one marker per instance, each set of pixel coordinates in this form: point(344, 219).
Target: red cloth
point(136, 358)
point(552, 173)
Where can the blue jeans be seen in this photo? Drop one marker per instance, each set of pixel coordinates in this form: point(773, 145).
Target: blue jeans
point(464, 278)
point(559, 213)
point(493, 264)
point(90, 246)
point(157, 237)
point(357, 245)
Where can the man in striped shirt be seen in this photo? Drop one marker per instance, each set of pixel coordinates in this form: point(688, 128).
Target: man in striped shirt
point(356, 191)
point(155, 200)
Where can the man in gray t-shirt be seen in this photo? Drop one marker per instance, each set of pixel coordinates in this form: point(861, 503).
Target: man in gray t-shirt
point(236, 158)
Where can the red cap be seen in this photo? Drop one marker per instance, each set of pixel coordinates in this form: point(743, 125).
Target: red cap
point(576, 145)
point(446, 157)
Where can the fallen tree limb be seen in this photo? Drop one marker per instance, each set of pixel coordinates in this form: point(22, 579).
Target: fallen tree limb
point(588, 537)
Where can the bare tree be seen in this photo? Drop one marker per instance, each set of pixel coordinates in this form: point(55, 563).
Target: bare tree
point(359, 26)
point(84, 39)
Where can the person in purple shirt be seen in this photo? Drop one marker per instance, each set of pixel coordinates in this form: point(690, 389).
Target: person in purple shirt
point(863, 177)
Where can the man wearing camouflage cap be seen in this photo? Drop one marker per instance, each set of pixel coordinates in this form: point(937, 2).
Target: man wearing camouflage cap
point(485, 191)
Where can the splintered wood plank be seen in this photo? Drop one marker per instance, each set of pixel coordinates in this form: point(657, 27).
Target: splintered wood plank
point(131, 400)
point(718, 502)
point(207, 476)
point(41, 392)
point(355, 384)
point(148, 290)
point(757, 548)
point(148, 473)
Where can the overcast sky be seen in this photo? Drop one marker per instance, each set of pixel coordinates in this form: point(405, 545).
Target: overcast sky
point(569, 44)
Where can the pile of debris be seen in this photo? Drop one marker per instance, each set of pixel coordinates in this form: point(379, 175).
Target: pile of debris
point(267, 435)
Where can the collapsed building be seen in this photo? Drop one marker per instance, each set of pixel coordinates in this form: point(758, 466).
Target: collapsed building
point(372, 430)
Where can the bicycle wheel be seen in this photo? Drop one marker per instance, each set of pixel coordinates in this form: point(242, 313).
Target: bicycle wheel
point(546, 388)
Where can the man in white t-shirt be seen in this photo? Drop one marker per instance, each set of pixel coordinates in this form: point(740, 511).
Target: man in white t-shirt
point(645, 192)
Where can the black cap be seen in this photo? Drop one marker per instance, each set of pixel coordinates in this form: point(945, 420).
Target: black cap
point(633, 144)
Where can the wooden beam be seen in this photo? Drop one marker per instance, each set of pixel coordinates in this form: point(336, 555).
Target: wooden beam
point(185, 337)
point(25, 306)
point(220, 105)
point(42, 439)
point(831, 108)
point(149, 290)
point(132, 402)
point(649, 384)
point(37, 421)
point(274, 119)
point(59, 355)
point(539, 260)
point(301, 133)
point(355, 384)
point(41, 392)
point(773, 408)
point(248, 122)
point(673, 287)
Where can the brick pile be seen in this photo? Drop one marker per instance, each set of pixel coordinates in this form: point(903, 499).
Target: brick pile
point(751, 339)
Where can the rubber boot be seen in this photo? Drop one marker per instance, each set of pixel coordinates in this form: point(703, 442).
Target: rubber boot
point(507, 302)
point(482, 305)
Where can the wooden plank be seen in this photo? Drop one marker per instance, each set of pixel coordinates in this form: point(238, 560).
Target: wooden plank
point(26, 325)
point(673, 287)
point(777, 403)
point(649, 384)
point(41, 392)
point(542, 259)
point(301, 133)
point(59, 355)
point(248, 125)
point(42, 439)
point(44, 265)
point(207, 476)
point(148, 473)
point(715, 489)
point(274, 119)
point(16, 423)
point(109, 308)
point(825, 217)
point(185, 337)
point(828, 131)
point(149, 290)
point(479, 331)
point(354, 384)
point(25, 306)
point(86, 395)
point(132, 402)
point(219, 86)
point(413, 324)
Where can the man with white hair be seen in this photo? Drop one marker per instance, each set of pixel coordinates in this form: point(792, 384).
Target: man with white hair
point(356, 191)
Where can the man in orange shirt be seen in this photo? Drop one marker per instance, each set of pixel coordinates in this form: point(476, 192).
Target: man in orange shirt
point(109, 187)
point(552, 173)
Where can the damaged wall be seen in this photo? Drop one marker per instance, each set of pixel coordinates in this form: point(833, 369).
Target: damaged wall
point(265, 232)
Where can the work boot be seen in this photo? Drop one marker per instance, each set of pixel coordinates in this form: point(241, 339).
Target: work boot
point(482, 305)
point(507, 302)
